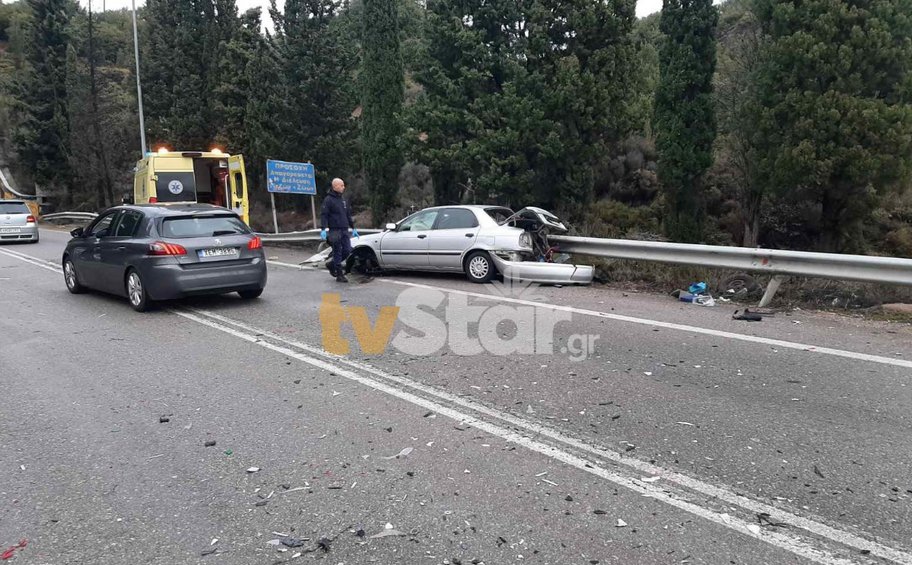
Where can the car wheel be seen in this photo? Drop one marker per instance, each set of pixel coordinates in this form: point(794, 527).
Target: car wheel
point(478, 267)
point(136, 292)
point(72, 280)
point(36, 239)
point(363, 261)
point(250, 294)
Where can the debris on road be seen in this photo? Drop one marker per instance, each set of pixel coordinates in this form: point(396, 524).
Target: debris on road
point(697, 288)
point(651, 479)
point(210, 443)
point(747, 316)
point(289, 541)
point(818, 473)
point(388, 531)
point(210, 551)
point(599, 512)
point(228, 452)
point(11, 550)
point(404, 453)
point(754, 529)
point(766, 520)
point(684, 423)
point(296, 489)
point(163, 419)
point(253, 469)
point(621, 524)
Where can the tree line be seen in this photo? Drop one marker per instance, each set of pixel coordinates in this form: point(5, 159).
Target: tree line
point(758, 122)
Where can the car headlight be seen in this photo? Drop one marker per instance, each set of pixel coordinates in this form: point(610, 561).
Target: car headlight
point(525, 240)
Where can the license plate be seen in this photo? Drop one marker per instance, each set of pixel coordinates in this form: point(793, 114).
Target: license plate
point(9, 230)
point(219, 252)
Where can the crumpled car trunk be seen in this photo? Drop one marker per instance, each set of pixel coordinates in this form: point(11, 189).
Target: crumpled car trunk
point(545, 263)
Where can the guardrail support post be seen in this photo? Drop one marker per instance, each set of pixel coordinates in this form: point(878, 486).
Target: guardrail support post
point(275, 221)
point(771, 289)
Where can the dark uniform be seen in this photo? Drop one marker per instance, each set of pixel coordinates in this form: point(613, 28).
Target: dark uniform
point(337, 218)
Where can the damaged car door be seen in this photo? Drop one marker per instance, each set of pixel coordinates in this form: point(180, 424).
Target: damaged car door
point(406, 247)
point(454, 233)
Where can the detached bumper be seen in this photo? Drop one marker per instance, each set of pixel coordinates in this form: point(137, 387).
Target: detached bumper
point(544, 273)
point(166, 281)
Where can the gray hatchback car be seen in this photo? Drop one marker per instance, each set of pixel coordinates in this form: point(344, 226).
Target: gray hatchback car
point(17, 222)
point(155, 252)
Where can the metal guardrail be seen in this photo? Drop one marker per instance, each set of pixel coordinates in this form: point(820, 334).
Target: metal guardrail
point(9, 188)
point(78, 216)
point(780, 263)
point(302, 236)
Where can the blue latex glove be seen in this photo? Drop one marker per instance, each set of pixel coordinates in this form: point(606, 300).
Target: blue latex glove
point(323, 234)
point(354, 232)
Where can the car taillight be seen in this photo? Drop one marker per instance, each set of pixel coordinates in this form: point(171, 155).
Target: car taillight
point(153, 200)
point(30, 220)
point(164, 248)
point(255, 243)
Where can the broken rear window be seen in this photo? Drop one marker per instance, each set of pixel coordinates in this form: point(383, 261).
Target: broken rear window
point(499, 215)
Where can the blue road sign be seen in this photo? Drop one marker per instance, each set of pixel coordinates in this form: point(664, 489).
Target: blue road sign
point(290, 178)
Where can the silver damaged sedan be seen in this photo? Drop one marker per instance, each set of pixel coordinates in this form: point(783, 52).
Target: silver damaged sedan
point(479, 241)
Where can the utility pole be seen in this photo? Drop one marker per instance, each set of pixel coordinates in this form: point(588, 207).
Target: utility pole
point(142, 124)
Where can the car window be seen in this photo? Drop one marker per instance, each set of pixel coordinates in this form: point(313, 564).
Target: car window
point(208, 226)
point(456, 218)
point(102, 223)
point(419, 222)
point(129, 224)
point(14, 208)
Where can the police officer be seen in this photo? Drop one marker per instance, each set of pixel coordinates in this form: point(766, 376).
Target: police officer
point(336, 217)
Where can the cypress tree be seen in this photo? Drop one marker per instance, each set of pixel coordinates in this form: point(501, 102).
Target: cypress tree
point(42, 138)
point(834, 124)
point(180, 69)
point(684, 118)
point(382, 97)
point(318, 71)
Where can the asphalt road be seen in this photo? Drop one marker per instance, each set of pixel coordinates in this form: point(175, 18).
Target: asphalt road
point(680, 436)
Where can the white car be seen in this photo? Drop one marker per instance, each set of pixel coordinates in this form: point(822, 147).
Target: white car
point(17, 222)
point(480, 241)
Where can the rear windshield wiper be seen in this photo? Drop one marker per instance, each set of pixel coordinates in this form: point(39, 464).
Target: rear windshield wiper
point(225, 232)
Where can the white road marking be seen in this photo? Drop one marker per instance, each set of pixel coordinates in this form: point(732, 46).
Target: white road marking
point(32, 260)
point(906, 363)
point(792, 543)
point(637, 466)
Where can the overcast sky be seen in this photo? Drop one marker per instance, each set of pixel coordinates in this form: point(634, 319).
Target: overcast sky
point(644, 7)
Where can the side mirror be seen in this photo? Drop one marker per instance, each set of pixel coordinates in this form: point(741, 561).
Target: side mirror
point(101, 233)
point(390, 226)
point(78, 232)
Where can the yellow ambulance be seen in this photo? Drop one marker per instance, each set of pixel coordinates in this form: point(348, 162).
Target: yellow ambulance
point(206, 177)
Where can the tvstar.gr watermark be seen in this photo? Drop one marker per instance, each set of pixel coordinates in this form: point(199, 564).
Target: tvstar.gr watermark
point(432, 321)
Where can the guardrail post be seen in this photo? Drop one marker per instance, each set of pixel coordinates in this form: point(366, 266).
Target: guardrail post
point(771, 289)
